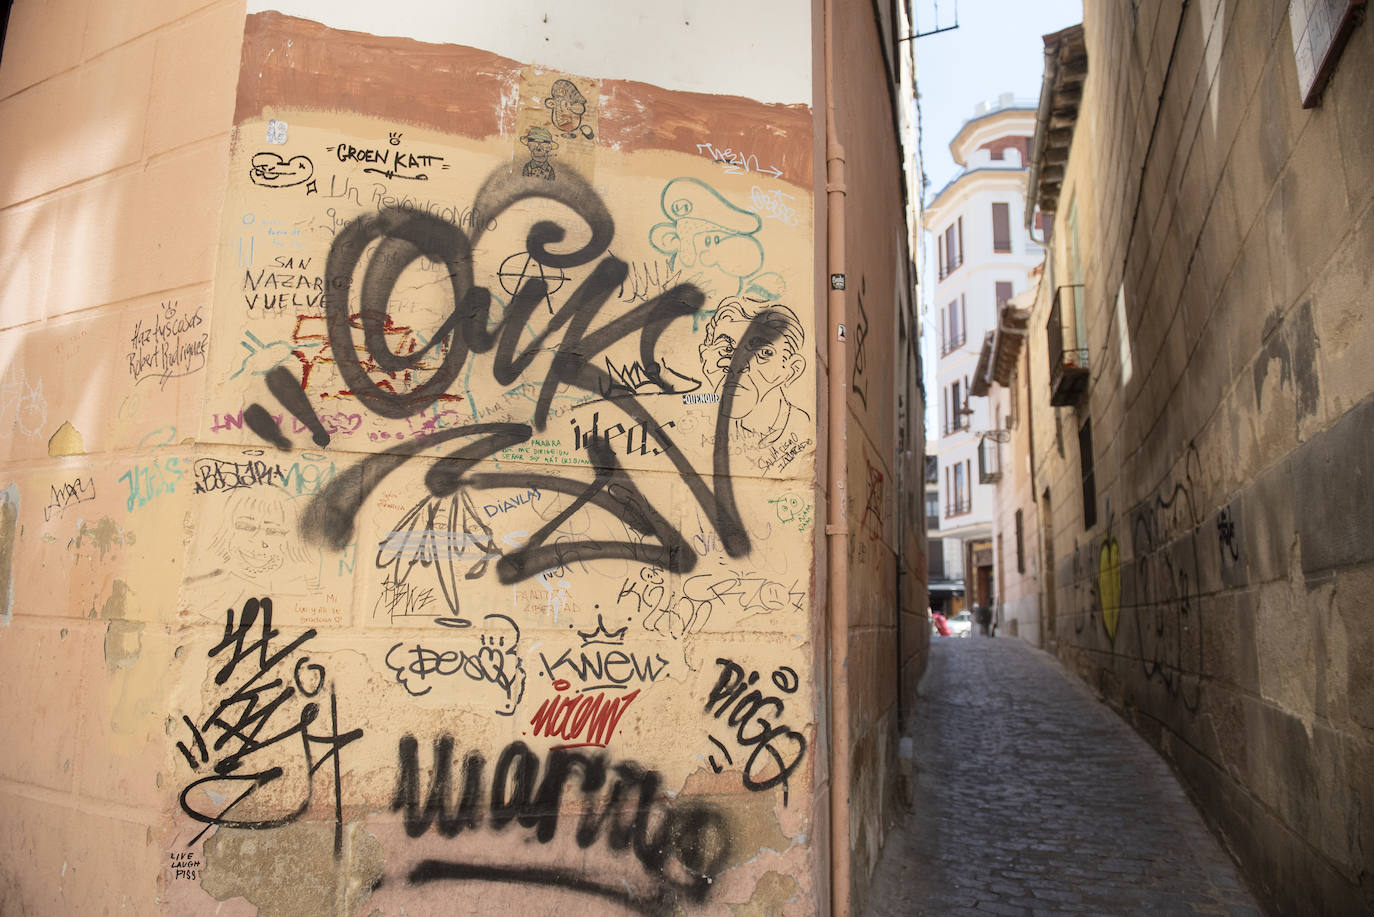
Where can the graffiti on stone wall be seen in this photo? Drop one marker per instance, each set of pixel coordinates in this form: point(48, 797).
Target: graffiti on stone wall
point(465, 545)
point(270, 170)
point(533, 475)
point(273, 727)
point(858, 381)
point(681, 844)
point(682, 610)
point(737, 162)
point(774, 748)
point(713, 242)
point(23, 408)
point(475, 666)
point(1109, 584)
point(68, 494)
point(1164, 580)
point(170, 346)
point(760, 412)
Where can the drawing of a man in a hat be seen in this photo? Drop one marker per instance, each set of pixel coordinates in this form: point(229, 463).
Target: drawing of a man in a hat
point(541, 145)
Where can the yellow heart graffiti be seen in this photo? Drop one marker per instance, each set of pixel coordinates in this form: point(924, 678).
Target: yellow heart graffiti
point(1109, 584)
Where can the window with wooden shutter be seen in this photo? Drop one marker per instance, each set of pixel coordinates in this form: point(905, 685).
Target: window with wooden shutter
point(1020, 546)
point(1001, 228)
point(1003, 292)
point(1085, 465)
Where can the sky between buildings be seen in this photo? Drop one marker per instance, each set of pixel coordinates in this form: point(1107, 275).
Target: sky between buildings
point(995, 49)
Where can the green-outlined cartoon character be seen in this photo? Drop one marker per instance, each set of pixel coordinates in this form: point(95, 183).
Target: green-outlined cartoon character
point(712, 241)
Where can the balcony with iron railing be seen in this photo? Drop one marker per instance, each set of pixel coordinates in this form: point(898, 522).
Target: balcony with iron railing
point(1068, 365)
point(958, 505)
point(989, 460)
point(950, 263)
point(958, 424)
point(953, 341)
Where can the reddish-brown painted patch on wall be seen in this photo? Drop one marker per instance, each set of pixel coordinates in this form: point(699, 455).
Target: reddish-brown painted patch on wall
point(297, 63)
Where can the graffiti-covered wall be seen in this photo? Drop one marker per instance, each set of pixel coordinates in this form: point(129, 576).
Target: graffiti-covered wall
point(544, 594)
point(443, 538)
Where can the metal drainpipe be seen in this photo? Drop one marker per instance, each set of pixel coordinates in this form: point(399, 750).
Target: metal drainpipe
point(836, 528)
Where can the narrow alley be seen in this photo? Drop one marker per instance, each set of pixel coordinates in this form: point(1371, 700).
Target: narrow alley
point(1034, 798)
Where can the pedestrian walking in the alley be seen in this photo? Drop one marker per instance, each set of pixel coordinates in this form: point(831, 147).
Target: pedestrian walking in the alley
point(983, 615)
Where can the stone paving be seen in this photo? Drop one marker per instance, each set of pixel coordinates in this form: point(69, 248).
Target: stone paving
point(1032, 797)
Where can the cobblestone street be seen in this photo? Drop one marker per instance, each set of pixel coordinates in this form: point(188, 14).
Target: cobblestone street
point(1034, 798)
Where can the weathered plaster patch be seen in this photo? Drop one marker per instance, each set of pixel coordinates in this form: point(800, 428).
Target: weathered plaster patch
point(105, 534)
point(754, 827)
point(123, 638)
point(1294, 344)
point(9, 523)
point(66, 441)
point(123, 644)
point(291, 871)
point(770, 894)
point(116, 606)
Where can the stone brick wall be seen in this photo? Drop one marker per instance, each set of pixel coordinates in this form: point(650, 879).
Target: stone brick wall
point(1220, 600)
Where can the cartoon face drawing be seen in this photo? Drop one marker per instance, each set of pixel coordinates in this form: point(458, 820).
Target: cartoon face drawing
point(567, 105)
point(541, 146)
point(755, 380)
point(708, 233)
point(254, 539)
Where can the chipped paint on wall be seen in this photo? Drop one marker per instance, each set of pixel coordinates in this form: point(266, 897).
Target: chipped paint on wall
point(9, 531)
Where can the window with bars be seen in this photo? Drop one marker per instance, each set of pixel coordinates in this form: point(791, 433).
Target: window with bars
point(954, 409)
point(951, 247)
point(954, 326)
point(958, 496)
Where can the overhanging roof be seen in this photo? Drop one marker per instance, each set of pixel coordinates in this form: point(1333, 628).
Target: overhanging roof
point(1006, 346)
point(978, 383)
point(1001, 350)
point(1061, 92)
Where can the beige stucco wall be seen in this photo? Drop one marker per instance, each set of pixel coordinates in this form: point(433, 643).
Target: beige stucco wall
point(115, 121)
point(349, 570)
point(622, 572)
point(1220, 600)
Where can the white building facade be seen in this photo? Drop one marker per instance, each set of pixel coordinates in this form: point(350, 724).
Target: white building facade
point(982, 253)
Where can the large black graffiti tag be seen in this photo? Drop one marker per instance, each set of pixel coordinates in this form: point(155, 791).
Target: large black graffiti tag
point(1166, 601)
point(683, 845)
point(382, 246)
point(261, 737)
point(775, 749)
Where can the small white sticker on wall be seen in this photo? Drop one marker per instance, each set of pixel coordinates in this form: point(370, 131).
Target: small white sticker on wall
point(276, 131)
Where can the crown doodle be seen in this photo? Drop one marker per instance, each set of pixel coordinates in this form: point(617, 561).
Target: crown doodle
point(602, 635)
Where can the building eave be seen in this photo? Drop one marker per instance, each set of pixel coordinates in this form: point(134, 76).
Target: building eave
point(978, 121)
point(1061, 93)
point(932, 210)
